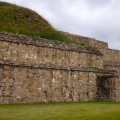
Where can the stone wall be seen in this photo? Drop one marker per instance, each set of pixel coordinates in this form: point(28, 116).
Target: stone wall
point(87, 40)
point(110, 55)
point(26, 85)
point(35, 54)
point(39, 70)
point(111, 61)
point(107, 89)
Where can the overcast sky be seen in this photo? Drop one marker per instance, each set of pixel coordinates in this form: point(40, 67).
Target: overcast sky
point(98, 19)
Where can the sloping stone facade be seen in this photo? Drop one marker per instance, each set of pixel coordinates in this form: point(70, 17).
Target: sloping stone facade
point(39, 70)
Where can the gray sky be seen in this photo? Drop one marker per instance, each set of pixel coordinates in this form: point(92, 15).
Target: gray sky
point(98, 19)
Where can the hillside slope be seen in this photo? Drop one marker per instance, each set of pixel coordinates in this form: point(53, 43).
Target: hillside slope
point(22, 20)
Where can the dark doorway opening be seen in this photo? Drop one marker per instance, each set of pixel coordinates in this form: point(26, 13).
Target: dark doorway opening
point(104, 88)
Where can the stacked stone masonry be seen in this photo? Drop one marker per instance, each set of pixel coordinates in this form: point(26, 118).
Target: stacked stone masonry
point(39, 70)
point(86, 40)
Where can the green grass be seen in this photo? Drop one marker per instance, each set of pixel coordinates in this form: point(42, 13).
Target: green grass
point(61, 111)
point(17, 19)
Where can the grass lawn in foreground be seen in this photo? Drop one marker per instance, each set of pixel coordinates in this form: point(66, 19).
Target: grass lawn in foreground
point(61, 111)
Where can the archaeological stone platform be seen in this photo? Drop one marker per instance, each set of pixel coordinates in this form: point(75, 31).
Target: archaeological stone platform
point(34, 69)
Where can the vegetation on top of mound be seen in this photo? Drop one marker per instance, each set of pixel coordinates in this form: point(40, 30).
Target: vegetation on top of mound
point(17, 19)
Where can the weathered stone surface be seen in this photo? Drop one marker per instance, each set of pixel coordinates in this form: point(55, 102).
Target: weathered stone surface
point(40, 70)
point(87, 40)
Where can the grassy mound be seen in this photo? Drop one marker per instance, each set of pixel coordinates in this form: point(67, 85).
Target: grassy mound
point(22, 20)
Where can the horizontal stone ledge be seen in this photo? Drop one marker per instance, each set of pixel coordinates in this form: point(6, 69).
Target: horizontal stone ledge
point(111, 63)
point(53, 66)
point(106, 75)
point(41, 42)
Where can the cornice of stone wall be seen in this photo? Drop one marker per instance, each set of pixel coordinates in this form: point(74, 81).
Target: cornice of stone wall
point(57, 67)
point(111, 63)
point(41, 42)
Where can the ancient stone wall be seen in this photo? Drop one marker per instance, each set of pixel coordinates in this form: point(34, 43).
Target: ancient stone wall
point(88, 41)
point(39, 70)
point(110, 55)
point(26, 85)
point(34, 54)
point(111, 61)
